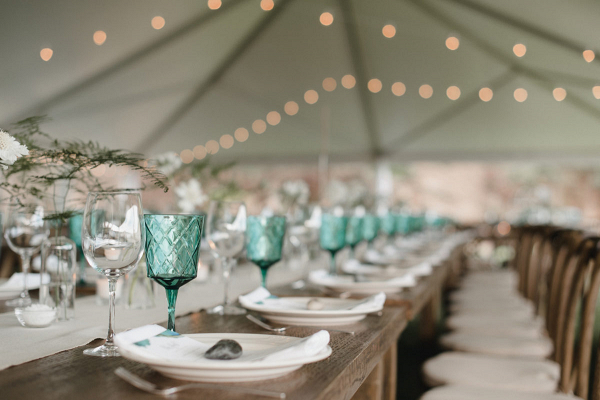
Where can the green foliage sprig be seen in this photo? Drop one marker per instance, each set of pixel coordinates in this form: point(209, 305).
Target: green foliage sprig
point(55, 167)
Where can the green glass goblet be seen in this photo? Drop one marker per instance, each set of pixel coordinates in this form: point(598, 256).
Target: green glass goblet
point(388, 226)
point(264, 241)
point(370, 228)
point(403, 222)
point(333, 236)
point(172, 249)
point(354, 233)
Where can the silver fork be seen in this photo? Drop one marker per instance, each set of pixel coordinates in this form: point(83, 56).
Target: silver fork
point(264, 324)
point(150, 387)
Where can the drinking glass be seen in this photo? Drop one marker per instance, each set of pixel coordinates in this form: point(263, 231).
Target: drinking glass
point(113, 243)
point(370, 228)
point(388, 225)
point(25, 231)
point(225, 231)
point(333, 236)
point(172, 250)
point(354, 233)
point(264, 241)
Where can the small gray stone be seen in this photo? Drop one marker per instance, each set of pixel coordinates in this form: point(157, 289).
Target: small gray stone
point(224, 349)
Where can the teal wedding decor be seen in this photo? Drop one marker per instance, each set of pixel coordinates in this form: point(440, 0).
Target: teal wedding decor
point(403, 223)
point(264, 241)
point(172, 250)
point(333, 236)
point(388, 225)
point(370, 228)
point(354, 233)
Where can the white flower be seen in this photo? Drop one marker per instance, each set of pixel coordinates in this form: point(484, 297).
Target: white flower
point(168, 163)
point(10, 149)
point(190, 195)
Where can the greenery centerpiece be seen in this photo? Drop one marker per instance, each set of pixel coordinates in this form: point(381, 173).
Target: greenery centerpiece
point(59, 174)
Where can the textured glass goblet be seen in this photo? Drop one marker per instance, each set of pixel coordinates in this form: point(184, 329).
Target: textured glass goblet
point(370, 228)
point(403, 224)
point(388, 225)
point(264, 241)
point(172, 250)
point(333, 236)
point(354, 233)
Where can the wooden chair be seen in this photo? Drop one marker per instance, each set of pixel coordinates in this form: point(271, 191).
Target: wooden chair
point(575, 265)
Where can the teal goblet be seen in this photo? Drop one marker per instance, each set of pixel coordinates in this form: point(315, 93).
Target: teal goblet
point(354, 233)
point(403, 224)
point(333, 236)
point(370, 228)
point(264, 241)
point(172, 249)
point(388, 225)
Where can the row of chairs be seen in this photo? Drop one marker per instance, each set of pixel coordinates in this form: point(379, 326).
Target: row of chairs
point(526, 332)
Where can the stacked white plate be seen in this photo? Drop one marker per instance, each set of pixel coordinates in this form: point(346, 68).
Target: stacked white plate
point(345, 283)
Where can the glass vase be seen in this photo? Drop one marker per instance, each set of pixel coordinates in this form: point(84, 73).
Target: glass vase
point(140, 289)
point(59, 260)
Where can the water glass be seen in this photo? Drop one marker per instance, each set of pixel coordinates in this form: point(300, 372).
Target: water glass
point(225, 232)
point(113, 239)
point(58, 259)
point(264, 241)
point(172, 250)
point(25, 232)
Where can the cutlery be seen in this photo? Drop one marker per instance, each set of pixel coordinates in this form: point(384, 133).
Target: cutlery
point(150, 387)
point(260, 321)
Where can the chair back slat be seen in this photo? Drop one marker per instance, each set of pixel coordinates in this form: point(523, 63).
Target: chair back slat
point(580, 297)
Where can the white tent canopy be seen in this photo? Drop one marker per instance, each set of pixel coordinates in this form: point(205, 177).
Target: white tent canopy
point(210, 72)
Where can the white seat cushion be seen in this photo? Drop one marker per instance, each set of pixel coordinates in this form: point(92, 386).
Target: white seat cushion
point(512, 312)
point(492, 372)
point(498, 345)
point(452, 392)
point(467, 320)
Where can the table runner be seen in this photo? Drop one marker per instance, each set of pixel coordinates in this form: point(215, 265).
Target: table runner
point(20, 344)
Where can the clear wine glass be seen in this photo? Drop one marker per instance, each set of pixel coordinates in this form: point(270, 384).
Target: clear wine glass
point(225, 231)
point(113, 239)
point(25, 231)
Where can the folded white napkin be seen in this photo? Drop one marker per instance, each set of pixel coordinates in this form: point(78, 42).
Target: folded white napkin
point(261, 296)
point(323, 278)
point(153, 341)
point(16, 281)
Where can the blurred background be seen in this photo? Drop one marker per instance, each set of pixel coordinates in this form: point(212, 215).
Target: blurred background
point(472, 109)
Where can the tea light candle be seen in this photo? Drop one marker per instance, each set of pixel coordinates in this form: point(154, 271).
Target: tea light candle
point(112, 254)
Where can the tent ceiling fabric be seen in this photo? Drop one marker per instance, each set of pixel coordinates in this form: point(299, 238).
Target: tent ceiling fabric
point(179, 78)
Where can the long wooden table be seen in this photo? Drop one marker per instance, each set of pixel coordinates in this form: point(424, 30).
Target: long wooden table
point(361, 366)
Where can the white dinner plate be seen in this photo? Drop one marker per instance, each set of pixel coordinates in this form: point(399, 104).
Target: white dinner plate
point(341, 284)
point(331, 315)
point(205, 370)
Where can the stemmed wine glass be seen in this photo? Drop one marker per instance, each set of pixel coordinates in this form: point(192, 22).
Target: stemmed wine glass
point(354, 233)
point(172, 250)
point(225, 231)
point(370, 229)
point(25, 232)
point(264, 238)
point(333, 236)
point(113, 243)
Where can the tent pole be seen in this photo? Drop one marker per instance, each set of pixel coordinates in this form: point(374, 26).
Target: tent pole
point(183, 30)
point(360, 70)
